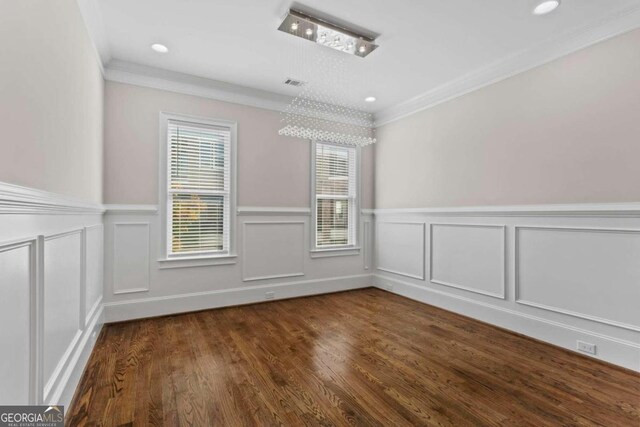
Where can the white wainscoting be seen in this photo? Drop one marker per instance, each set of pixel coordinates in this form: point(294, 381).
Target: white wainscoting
point(17, 287)
point(400, 248)
point(470, 257)
point(274, 262)
point(559, 274)
point(592, 273)
point(259, 259)
point(94, 271)
point(131, 257)
point(50, 292)
point(62, 288)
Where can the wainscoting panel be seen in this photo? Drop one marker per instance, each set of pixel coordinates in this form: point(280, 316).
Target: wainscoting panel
point(16, 288)
point(130, 257)
point(50, 273)
point(400, 248)
point(558, 273)
point(62, 302)
point(367, 244)
point(93, 268)
point(592, 273)
point(272, 249)
point(469, 257)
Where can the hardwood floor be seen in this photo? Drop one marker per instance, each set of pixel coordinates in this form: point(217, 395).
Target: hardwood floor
point(364, 357)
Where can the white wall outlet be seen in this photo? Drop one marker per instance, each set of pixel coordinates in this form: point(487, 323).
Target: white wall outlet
point(586, 347)
point(269, 295)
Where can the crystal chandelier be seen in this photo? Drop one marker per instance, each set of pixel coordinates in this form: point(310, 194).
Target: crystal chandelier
point(323, 109)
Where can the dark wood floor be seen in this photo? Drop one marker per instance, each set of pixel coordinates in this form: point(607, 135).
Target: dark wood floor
point(356, 358)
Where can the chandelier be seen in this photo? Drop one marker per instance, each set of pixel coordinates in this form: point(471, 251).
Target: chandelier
point(324, 108)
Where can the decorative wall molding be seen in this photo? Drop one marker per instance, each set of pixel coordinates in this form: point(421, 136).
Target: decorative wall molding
point(386, 253)
point(181, 303)
point(276, 211)
point(16, 200)
point(131, 209)
point(43, 267)
point(600, 210)
point(289, 257)
point(171, 81)
point(63, 304)
point(19, 262)
point(518, 265)
point(611, 349)
point(503, 261)
point(131, 261)
point(520, 62)
point(366, 243)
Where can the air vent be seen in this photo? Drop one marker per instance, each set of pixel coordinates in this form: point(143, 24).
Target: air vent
point(293, 82)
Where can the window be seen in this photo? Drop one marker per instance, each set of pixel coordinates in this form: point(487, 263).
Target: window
point(336, 196)
point(199, 187)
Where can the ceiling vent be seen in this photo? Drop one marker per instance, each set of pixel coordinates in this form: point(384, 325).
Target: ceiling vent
point(294, 82)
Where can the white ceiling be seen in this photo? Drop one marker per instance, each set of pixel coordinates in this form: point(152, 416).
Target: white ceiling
point(424, 44)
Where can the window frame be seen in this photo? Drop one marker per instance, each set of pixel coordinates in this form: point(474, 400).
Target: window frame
point(165, 259)
point(344, 250)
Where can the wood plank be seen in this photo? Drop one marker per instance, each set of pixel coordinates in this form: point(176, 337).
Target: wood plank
point(362, 357)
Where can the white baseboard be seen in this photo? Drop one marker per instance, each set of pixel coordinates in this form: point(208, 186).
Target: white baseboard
point(174, 304)
point(66, 387)
point(610, 349)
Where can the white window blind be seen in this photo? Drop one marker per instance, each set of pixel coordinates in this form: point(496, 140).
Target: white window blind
point(335, 187)
point(198, 199)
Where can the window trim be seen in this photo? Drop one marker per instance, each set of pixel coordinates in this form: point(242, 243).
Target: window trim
point(343, 250)
point(195, 260)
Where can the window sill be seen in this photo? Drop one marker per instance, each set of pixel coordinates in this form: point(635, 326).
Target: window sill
point(333, 252)
point(186, 262)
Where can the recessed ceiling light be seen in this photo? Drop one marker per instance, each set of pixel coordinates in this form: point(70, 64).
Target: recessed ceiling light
point(160, 48)
point(545, 7)
point(370, 99)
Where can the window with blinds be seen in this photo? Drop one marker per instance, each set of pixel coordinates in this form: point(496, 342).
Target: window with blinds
point(335, 195)
point(199, 188)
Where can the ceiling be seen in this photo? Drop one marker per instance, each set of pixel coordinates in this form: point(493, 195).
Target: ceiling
point(424, 44)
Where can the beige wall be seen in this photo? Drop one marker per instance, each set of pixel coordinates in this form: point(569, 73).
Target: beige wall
point(566, 132)
point(272, 170)
point(51, 99)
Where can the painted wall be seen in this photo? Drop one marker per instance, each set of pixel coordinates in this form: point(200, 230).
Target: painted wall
point(566, 132)
point(272, 170)
point(51, 89)
point(272, 246)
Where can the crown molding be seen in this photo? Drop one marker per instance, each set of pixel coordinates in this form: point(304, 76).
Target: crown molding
point(564, 210)
point(92, 17)
point(510, 66)
point(15, 199)
point(172, 81)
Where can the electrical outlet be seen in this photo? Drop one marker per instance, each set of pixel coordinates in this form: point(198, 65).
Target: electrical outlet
point(586, 347)
point(269, 295)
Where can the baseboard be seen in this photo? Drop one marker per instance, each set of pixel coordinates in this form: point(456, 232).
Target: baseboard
point(174, 304)
point(66, 387)
point(610, 349)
